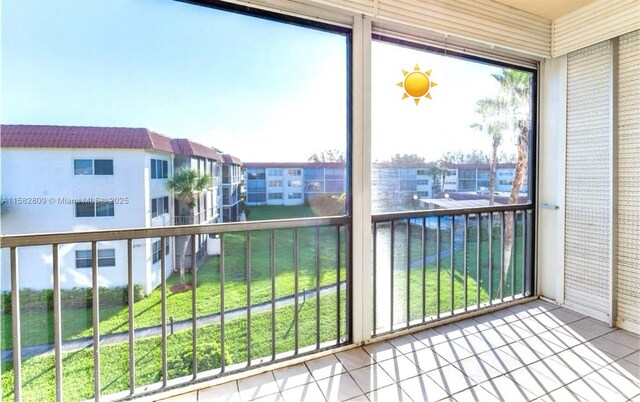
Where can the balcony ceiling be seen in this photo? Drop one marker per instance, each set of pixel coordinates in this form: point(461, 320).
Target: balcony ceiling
point(549, 9)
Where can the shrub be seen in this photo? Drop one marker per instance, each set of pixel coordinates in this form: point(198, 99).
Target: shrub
point(208, 359)
point(327, 205)
point(76, 298)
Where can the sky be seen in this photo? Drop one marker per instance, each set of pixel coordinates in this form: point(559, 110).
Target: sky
point(261, 90)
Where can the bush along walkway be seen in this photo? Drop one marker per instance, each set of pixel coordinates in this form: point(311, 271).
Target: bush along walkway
point(140, 333)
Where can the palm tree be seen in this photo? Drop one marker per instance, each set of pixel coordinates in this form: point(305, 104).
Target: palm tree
point(516, 89)
point(493, 123)
point(186, 184)
point(436, 172)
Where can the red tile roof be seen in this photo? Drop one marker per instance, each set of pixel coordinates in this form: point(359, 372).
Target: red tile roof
point(183, 146)
point(230, 159)
point(32, 136)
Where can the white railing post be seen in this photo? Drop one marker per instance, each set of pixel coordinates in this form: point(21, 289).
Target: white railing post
point(361, 180)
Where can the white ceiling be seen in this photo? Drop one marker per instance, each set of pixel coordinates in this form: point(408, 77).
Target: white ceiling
point(549, 9)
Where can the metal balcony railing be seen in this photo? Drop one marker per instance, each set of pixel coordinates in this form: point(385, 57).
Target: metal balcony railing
point(434, 264)
point(276, 290)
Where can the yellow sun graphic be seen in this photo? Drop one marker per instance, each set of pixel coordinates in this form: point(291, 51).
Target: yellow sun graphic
point(416, 84)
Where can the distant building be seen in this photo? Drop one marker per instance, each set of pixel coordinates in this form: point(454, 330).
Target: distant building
point(232, 189)
point(291, 183)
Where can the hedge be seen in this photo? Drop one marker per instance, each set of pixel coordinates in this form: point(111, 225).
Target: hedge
point(76, 298)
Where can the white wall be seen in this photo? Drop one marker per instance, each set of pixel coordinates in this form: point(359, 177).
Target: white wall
point(51, 181)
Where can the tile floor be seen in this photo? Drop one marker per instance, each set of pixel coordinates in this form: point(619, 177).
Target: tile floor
point(527, 352)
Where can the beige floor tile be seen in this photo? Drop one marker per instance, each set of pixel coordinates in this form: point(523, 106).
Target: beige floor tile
point(401, 367)
point(628, 387)
point(381, 351)
point(452, 351)
point(427, 359)
point(633, 358)
point(470, 326)
point(451, 379)
point(626, 338)
point(227, 392)
point(593, 391)
point(388, 394)
point(339, 388)
point(355, 358)
point(507, 390)
point(308, 392)
point(450, 331)
point(564, 316)
point(597, 327)
point(554, 369)
point(525, 353)
point(359, 398)
point(269, 398)
point(430, 337)
point(560, 338)
point(475, 394)
point(577, 363)
point(542, 346)
point(257, 386)
point(501, 361)
point(370, 378)
point(626, 369)
point(594, 354)
point(423, 388)
point(494, 337)
point(611, 347)
point(407, 344)
point(562, 395)
point(324, 367)
point(477, 369)
point(581, 334)
point(293, 376)
point(534, 382)
point(474, 343)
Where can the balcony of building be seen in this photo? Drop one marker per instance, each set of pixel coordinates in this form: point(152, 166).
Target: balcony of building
point(536, 300)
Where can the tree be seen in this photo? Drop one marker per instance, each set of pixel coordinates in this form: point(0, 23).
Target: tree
point(474, 156)
point(436, 172)
point(186, 184)
point(407, 158)
point(493, 124)
point(516, 88)
point(330, 155)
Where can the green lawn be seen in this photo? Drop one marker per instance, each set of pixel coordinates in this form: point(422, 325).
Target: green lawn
point(280, 212)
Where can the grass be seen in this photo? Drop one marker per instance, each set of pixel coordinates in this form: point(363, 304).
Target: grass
point(280, 212)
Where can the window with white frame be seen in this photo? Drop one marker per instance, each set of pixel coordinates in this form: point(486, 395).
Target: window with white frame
point(294, 172)
point(275, 196)
point(295, 196)
point(106, 258)
point(159, 206)
point(274, 172)
point(156, 249)
point(295, 183)
point(96, 167)
point(159, 169)
point(275, 183)
point(94, 209)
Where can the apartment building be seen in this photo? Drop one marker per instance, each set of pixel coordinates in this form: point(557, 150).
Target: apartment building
point(65, 178)
point(232, 188)
point(292, 183)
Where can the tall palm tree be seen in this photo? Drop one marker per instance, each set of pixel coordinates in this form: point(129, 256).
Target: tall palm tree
point(493, 124)
point(436, 172)
point(186, 184)
point(516, 89)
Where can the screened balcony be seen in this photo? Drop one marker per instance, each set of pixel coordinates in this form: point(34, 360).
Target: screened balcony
point(533, 293)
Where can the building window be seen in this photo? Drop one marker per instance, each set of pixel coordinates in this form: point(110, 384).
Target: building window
point(314, 186)
point(98, 167)
point(275, 172)
point(106, 258)
point(452, 172)
point(422, 182)
point(423, 172)
point(275, 183)
point(156, 251)
point(159, 169)
point(275, 196)
point(159, 206)
point(295, 196)
point(295, 183)
point(91, 209)
point(294, 172)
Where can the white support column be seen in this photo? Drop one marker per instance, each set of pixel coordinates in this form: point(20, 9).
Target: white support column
point(551, 178)
point(361, 180)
